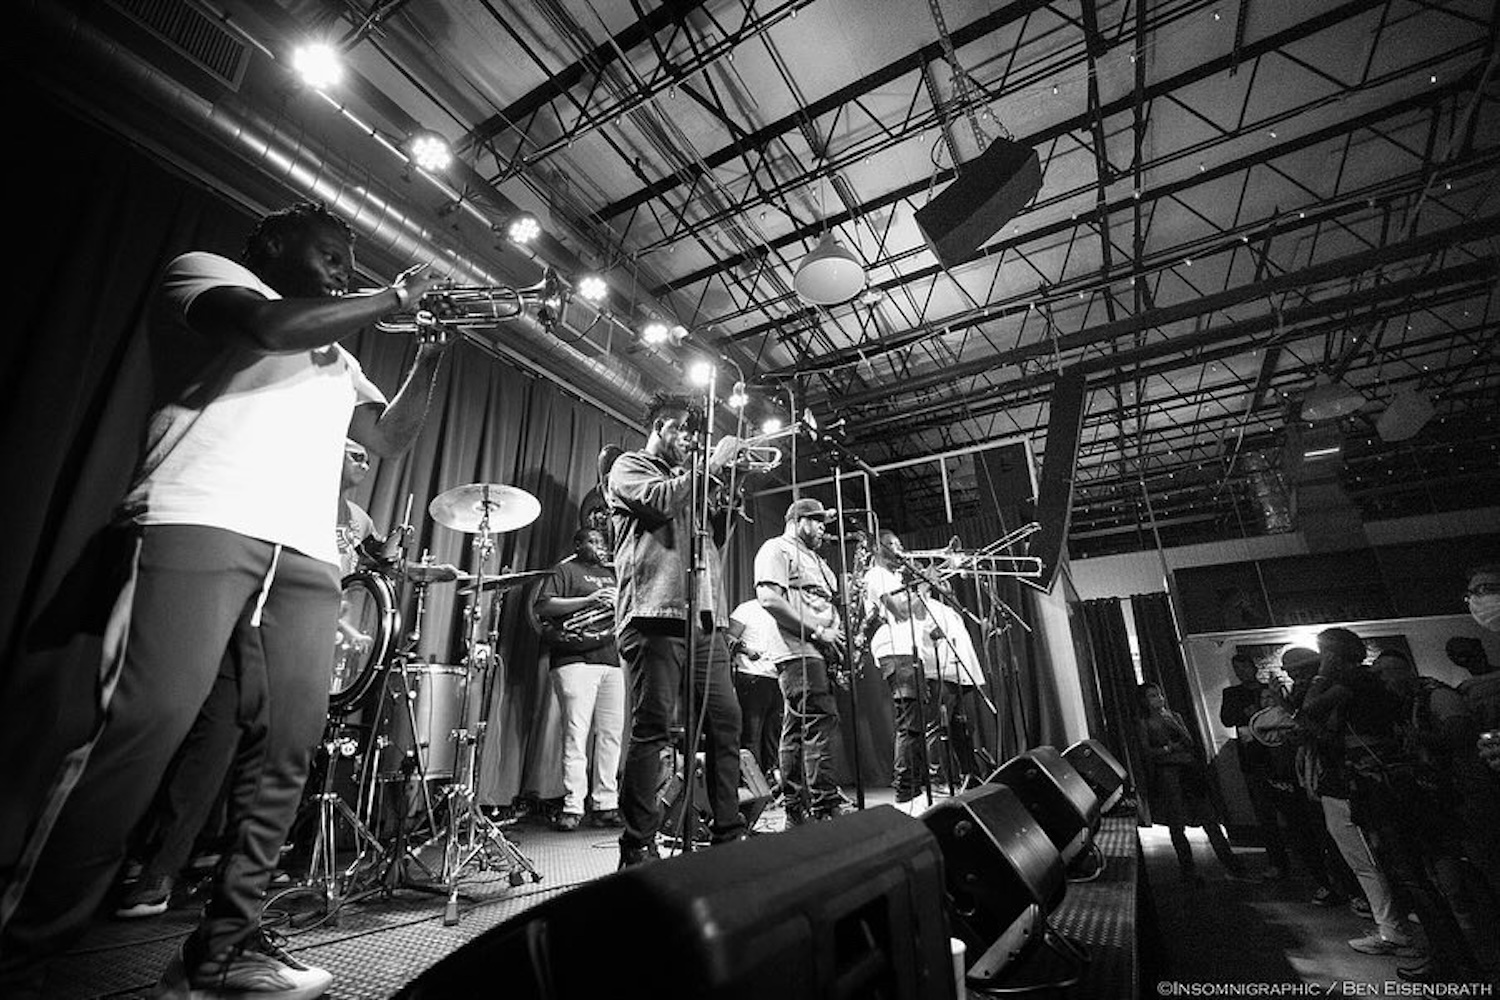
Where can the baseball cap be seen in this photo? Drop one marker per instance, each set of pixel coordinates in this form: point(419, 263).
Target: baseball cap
point(808, 507)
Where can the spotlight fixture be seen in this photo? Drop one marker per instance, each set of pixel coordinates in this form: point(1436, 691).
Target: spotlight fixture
point(771, 425)
point(701, 373)
point(738, 397)
point(654, 332)
point(318, 64)
point(829, 274)
point(430, 151)
point(523, 229)
point(591, 288)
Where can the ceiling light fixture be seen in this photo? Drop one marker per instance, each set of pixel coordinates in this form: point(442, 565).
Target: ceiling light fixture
point(430, 151)
point(523, 229)
point(738, 397)
point(591, 288)
point(318, 64)
point(829, 274)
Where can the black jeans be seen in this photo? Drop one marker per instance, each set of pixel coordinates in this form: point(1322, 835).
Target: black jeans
point(760, 709)
point(809, 730)
point(942, 701)
point(653, 661)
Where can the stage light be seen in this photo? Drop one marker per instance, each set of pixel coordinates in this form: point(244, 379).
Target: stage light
point(771, 426)
point(591, 288)
point(523, 229)
point(319, 64)
point(738, 397)
point(829, 274)
point(430, 151)
point(701, 373)
point(654, 332)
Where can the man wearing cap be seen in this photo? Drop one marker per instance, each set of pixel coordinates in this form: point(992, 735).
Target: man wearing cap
point(797, 588)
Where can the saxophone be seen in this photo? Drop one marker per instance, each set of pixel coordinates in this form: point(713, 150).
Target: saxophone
point(862, 624)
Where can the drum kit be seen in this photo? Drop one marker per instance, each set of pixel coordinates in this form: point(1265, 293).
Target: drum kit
point(424, 730)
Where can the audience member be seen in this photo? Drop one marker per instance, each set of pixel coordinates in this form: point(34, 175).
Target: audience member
point(1177, 784)
point(1238, 703)
point(1344, 698)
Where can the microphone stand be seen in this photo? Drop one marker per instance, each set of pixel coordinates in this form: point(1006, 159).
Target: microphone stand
point(699, 518)
point(853, 667)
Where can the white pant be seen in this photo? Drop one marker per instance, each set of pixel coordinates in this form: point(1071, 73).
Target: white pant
point(591, 695)
point(1356, 851)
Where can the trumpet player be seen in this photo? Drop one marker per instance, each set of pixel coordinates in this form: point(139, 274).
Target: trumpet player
point(231, 553)
point(650, 496)
point(577, 606)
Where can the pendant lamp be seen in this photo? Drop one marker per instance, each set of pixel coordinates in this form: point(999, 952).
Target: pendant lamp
point(829, 274)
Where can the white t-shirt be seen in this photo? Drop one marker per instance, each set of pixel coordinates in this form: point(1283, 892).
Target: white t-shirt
point(760, 636)
point(954, 660)
point(248, 442)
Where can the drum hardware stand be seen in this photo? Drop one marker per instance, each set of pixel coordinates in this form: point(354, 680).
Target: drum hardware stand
point(323, 873)
point(472, 836)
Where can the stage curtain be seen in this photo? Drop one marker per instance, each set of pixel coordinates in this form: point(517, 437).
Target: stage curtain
point(75, 389)
point(1116, 691)
point(1161, 655)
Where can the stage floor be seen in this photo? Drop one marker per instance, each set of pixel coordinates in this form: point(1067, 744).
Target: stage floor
point(380, 942)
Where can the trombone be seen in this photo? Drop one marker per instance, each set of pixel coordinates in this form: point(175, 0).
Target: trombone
point(477, 307)
point(988, 561)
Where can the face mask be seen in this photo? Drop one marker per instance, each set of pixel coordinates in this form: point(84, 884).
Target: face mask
point(1485, 608)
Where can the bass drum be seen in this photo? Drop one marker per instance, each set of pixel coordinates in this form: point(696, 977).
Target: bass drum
point(422, 721)
point(368, 625)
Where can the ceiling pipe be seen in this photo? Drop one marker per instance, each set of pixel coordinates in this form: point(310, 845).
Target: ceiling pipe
point(79, 50)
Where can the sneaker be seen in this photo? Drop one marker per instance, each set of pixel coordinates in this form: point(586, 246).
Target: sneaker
point(607, 817)
point(1376, 944)
point(567, 822)
point(632, 856)
point(259, 968)
point(1326, 897)
point(149, 896)
point(1360, 906)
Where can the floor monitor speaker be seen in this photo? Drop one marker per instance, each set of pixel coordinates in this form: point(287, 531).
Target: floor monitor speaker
point(1002, 875)
point(755, 795)
point(851, 907)
point(987, 193)
point(1056, 794)
point(1100, 770)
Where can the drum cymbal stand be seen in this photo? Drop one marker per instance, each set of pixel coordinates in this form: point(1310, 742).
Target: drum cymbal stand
point(472, 838)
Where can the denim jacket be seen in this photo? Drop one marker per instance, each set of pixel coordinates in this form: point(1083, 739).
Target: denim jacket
point(650, 506)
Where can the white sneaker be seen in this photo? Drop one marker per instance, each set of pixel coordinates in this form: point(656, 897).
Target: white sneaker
point(258, 970)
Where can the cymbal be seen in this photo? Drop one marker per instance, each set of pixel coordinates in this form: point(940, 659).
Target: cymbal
point(464, 508)
point(431, 572)
point(505, 581)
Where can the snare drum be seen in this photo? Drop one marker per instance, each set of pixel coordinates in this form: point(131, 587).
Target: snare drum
point(437, 707)
point(368, 625)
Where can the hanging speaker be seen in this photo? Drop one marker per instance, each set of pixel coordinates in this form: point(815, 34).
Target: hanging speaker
point(1054, 500)
point(987, 193)
point(852, 907)
point(1056, 794)
point(1100, 770)
point(1002, 876)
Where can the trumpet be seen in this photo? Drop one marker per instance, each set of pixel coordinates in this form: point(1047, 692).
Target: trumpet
point(757, 454)
point(477, 307)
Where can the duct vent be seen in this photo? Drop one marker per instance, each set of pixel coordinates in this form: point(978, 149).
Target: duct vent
point(194, 34)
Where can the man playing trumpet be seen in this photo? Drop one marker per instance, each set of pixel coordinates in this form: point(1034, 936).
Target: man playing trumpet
point(576, 604)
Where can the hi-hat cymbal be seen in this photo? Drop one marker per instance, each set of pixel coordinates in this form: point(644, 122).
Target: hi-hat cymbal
point(503, 581)
point(493, 506)
point(431, 572)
